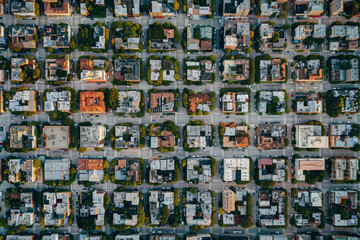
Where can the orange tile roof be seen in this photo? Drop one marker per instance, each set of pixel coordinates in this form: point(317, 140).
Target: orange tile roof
point(90, 164)
point(169, 33)
point(155, 96)
point(86, 64)
point(92, 102)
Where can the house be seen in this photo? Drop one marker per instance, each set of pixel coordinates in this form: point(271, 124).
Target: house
point(198, 201)
point(2, 7)
point(127, 70)
point(336, 7)
point(90, 170)
point(3, 37)
point(273, 70)
point(344, 37)
point(157, 201)
point(235, 102)
point(307, 164)
point(156, 68)
point(308, 198)
point(309, 71)
point(271, 136)
point(162, 237)
point(204, 236)
point(344, 70)
point(131, 200)
point(308, 103)
point(199, 102)
point(23, 8)
point(56, 137)
point(310, 136)
point(272, 169)
point(236, 169)
point(128, 237)
point(93, 70)
point(273, 237)
point(127, 137)
point(57, 8)
point(57, 36)
point(236, 35)
point(85, 236)
point(235, 135)
point(99, 37)
point(21, 169)
point(203, 70)
point(350, 98)
point(57, 69)
point(308, 8)
point(347, 200)
point(20, 237)
point(2, 101)
point(162, 170)
point(198, 169)
point(57, 101)
point(199, 136)
point(127, 170)
point(92, 102)
point(271, 211)
point(96, 210)
point(57, 169)
point(131, 43)
point(199, 9)
point(162, 102)
point(18, 66)
point(129, 101)
point(267, 103)
point(92, 136)
point(271, 8)
point(162, 9)
point(199, 38)
point(55, 236)
point(166, 43)
point(267, 41)
point(22, 209)
point(22, 137)
point(127, 8)
point(344, 168)
point(161, 138)
point(56, 208)
point(341, 136)
point(23, 36)
point(236, 70)
point(236, 8)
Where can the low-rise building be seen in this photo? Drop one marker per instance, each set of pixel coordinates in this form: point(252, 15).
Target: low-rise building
point(268, 104)
point(350, 97)
point(162, 101)
point(309, 71)
point(20, 237)
point(19, 66)
point(308, 8)
point(92, 102)
point(271, 136)
point(57, 69)
point(161, 138)
point(3, 41)
point(127, 170)
point(2, 7)
point(303, 165)
point(236, 35)
point(237, 169)
point(90, 170)
point(56, 137)
point(162, 237)
point(344, 168)
point(57, 36)
point(55, 236)
point(199, 38)
point(21, 169)
point(310, 136)
point(236, 69)
point(127, 8)
point(99, 37)
point(96, 210)
point(236, 8)
point(272, 169)
point(57, 8)
point(157, 71)
point(235, 136)
point(24, 8)
point(308, 198)
point(336, 7)
point(199, 9)
point(341, 136)
point(157, 201)
point(199, 102)
point(199, 136)
point(310, 102)
point(23, 36)
point(344, 37)
point(203, 70)
point(235, 102)
point(127, 137)
point(162, 9)
point(201, 201)
point(56, 208)
point(129, 101)
point(130, 200)
point(92, 136)
point(271, 37)
point(271, 8)
point(273, 70)
point(344, 70)
point(22, 209)
point(234, 203)
point(57, 101)
point(198, 170)
point(93, 70)
point(127, 70)
point(128, 237)
point(162, 170)
point(272, 208)
point(22, 137)
point(57, 169)
point(347, 201)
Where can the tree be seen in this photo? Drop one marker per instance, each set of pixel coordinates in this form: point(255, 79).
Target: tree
point(106, 164)
point(176, 5)
point(114, 102)
point(275, 37)
point(221, 211)
point(37, 163)
point(164, 214)
point(106, 201)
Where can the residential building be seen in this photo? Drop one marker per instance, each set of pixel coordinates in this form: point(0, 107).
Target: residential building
point(2, 101)
point(2, 8)
point(23, 212)
point(156, 67)
point(309, 71)
point(127, 70)
point(271, 210)
point(272, 169)
point(129, 101)
point(302, 32)
point(204, 236)
point(166, 43)
point(236, 169)
point(22, 169)
point(131, 200)
point(57, 169)
point(235, 203)
point(272, 237)
point(127, 8)
point(310, 136)
point(96, 211)
point(162, 9)
point(235, 136)
point(56, 208)
point(55, 236)
point(271, 136)
point(162, 237)
point(20, 237)
point(266, 37)
point(162, 170)
point(23, 36)
point(3, 39)
point(165, 139)
point(57, 36)
point(235, 102)
point(198, 169)
point(347, 200)
point(344, 37)
point(92, 136)
point(131, 43)
point(128, 237)
point(271, 8)
point(22, 137)
point(199, 38)
point(308, 198)
point(341, 136)
point(86, 236)
point(57, 101)
point(203, 70)
point(313, 220)
point(199, 102)
point(344, 168)
point(56, 137)
point(349, 74)
point(90, 170)
point(162, 102)
point(236, 35)
point(57, 8)
point(127, 137)
point(54, 69)
point(308, 8)
point(23, 8)
point(228, 200)
point(350, 98)
point(18, 66)
point(236, 70)
point(198, 201)
point(336, 7)
point(307, 164)
point(198, 9)
point(267, 104)
point(157, 201)
point(199, 136)
point(127, 170)
point(99, 36)
point(236, 8)
point(93, 70)
point(273, 70)
point(310, 102)
point(92, 102)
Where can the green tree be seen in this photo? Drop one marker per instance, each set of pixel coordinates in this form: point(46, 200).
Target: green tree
point(36, 163)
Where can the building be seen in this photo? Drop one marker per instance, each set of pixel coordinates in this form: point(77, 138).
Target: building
point(127, 137)
point(235, 102)
point(157, 201)
point(23, 36)
point(56, 137)
point(267, 103)
point(21, 169)
point(199, 9)
point(198, 170)
point(348, 74)
point(271, 136)
point(20, 65)
point(271, 210)
point(162, 237)
point(271, 8)
point(92, 102)
point(228, 200)
point(127, 8)
point(308, 198)
point(162, 170)
point(236, 8)
point(57, 69)
point(350, 97)
point(24, 8)
point(90, 170)
point(131, 200)
point(127, 170)
point(24, 213)
point(20, 237)
point(199, 102)
point(198, 201)
point(93, 70)
point(57, 8)
point(350, 33)
point(267, 42)
point(58, 101)
point(57, 36)
point(344, 168)
point(272, 169)
point(166, 43)
point(156, 68)
point(99, 37)
point(234, 204)
point(308, 103)
point(128, 237)
point(236, 70)
point(203, 70)
point(2, 7)
point(162, 102)
point(341, 136)
point(309, 71)
point(347, 200)
point(55, 236)
point(129, 101)
point(236, 35)
point(57, 169)
point(272, 237)
point(336, 7)
point(237, 169)
point(273, 70)
point(235, 136)
point(199, 136)
point(308, 8)
point(96, 210)
point(307, 164)
point(127, 70)
point(92, 136)
point(310, 136)
point(56, 208)
point(162, 9)
point(22, 137)
point(3, 40)
point(204, 236)
point(199, 38)
point(161, 138)
point(85, 236)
